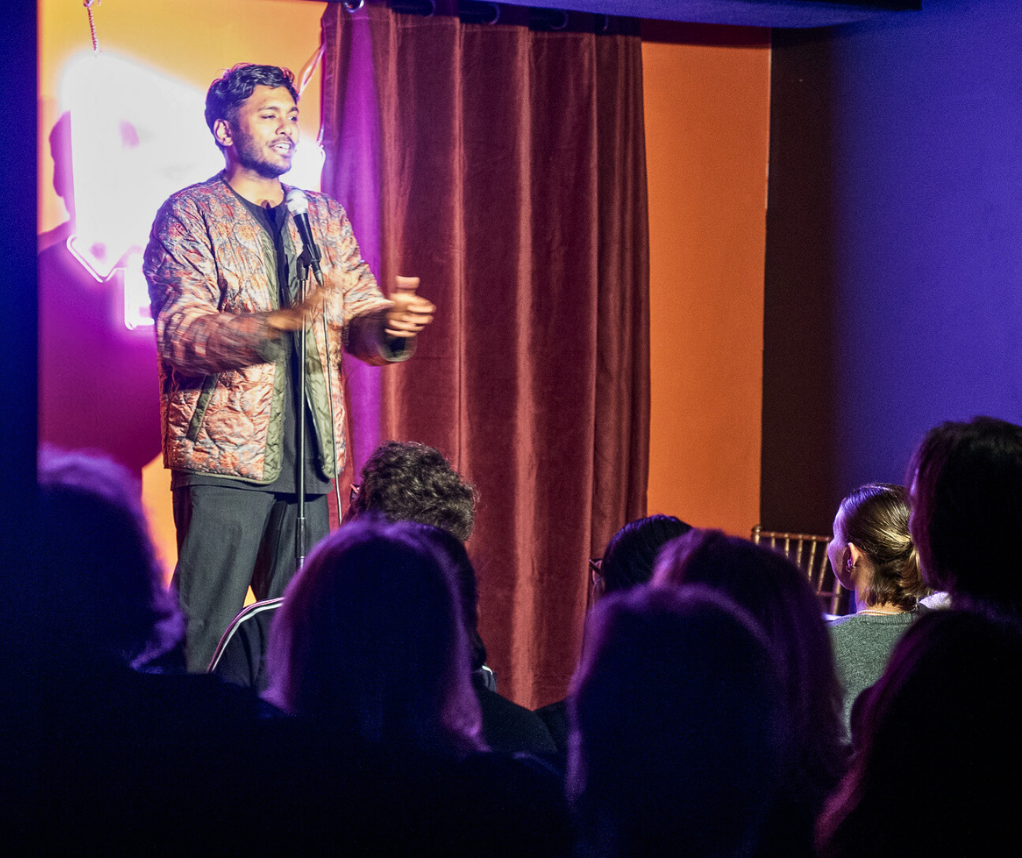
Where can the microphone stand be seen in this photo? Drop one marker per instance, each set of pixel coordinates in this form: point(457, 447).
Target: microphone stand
point(306, 260)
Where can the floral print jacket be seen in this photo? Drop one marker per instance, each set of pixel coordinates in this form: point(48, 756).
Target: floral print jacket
point(212, 283)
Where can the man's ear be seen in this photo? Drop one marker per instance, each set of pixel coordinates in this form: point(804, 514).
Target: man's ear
point(222, 133)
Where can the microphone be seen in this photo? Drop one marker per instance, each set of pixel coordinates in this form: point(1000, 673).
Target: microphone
point(298, 204)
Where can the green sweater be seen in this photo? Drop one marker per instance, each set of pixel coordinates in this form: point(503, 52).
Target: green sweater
point(862, 645)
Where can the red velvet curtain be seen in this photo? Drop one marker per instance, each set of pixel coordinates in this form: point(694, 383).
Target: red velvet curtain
point(510, 170)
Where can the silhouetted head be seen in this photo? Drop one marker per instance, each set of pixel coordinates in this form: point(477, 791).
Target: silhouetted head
point(370, 638)
point(465, 584)
point(632, 551)
point(407, 481)
point(872, 551)
point(778, 596)
point(97, 588)
point(967, 510)
point(675, 716)
point(227, 93)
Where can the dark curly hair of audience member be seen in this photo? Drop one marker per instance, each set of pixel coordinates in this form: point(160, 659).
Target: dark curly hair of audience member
point(778, 596)
point(676, 738)
point(967, 510)
point(227, 93)
point(408, 481)
point(370, 638)
point(875, 519)
point(632, 551)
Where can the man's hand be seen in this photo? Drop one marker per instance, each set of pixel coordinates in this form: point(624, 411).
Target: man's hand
point(292, 318)
point(409, 312)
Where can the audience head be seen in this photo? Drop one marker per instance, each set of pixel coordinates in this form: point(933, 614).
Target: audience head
point(632, 552)
point(98, 590)
point(778, 596)
point(370, 638)
point(676, 734)
point(465, 585)
point(407, 481)
point(872, 552)
point(967, 510)
point(938, 762)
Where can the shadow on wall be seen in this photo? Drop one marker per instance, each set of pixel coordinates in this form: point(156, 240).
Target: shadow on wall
point(798, 460)
point(98, 384)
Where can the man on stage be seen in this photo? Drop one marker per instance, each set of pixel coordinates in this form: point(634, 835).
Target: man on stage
point(225, 266)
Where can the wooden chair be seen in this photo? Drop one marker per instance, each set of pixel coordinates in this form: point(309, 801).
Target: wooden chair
point(809, 553)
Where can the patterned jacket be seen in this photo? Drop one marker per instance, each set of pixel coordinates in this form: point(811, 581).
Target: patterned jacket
point(212, 283)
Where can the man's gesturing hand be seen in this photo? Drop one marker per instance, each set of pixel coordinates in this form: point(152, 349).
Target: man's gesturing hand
point(292, 318)
point(409, 312)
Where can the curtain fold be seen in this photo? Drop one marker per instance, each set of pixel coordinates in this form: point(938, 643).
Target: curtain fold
point(511, 179)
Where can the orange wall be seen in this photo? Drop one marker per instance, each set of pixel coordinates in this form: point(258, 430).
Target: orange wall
point(707, 100)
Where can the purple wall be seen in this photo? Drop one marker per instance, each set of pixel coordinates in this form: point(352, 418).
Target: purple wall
point(895, 232)
point(18, 63)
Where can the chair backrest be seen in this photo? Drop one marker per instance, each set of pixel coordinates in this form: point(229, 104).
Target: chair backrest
point(809, 553)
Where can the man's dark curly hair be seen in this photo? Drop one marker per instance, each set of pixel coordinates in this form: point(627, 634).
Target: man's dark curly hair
point(226, 94)
point(407, 481)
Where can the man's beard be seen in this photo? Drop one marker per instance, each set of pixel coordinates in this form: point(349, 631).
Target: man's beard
point(251, 157)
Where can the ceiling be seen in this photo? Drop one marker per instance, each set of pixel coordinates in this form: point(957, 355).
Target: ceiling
point(749, 13)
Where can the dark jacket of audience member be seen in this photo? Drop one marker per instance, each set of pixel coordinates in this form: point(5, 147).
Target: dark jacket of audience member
point(676, 728)
point(778, 596)
point(506, 726)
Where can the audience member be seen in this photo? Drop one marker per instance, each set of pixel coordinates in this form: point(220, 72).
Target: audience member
point(407, 481)
point(966, 486)
point(99, 590)
point(105, 754)
point(676, 736)
point(401, 481)
point(627, 562)
point(632, 552)
point(506, 725)
point(370, 637)
point(369, 651)
point(938, 763)
point(778, 596)
point(873, 555)
point(937, 736)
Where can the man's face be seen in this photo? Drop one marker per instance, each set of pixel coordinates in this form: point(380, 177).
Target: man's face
point(263, 135)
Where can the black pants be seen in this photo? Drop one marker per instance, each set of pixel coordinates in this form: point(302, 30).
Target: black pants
point(228, 539)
